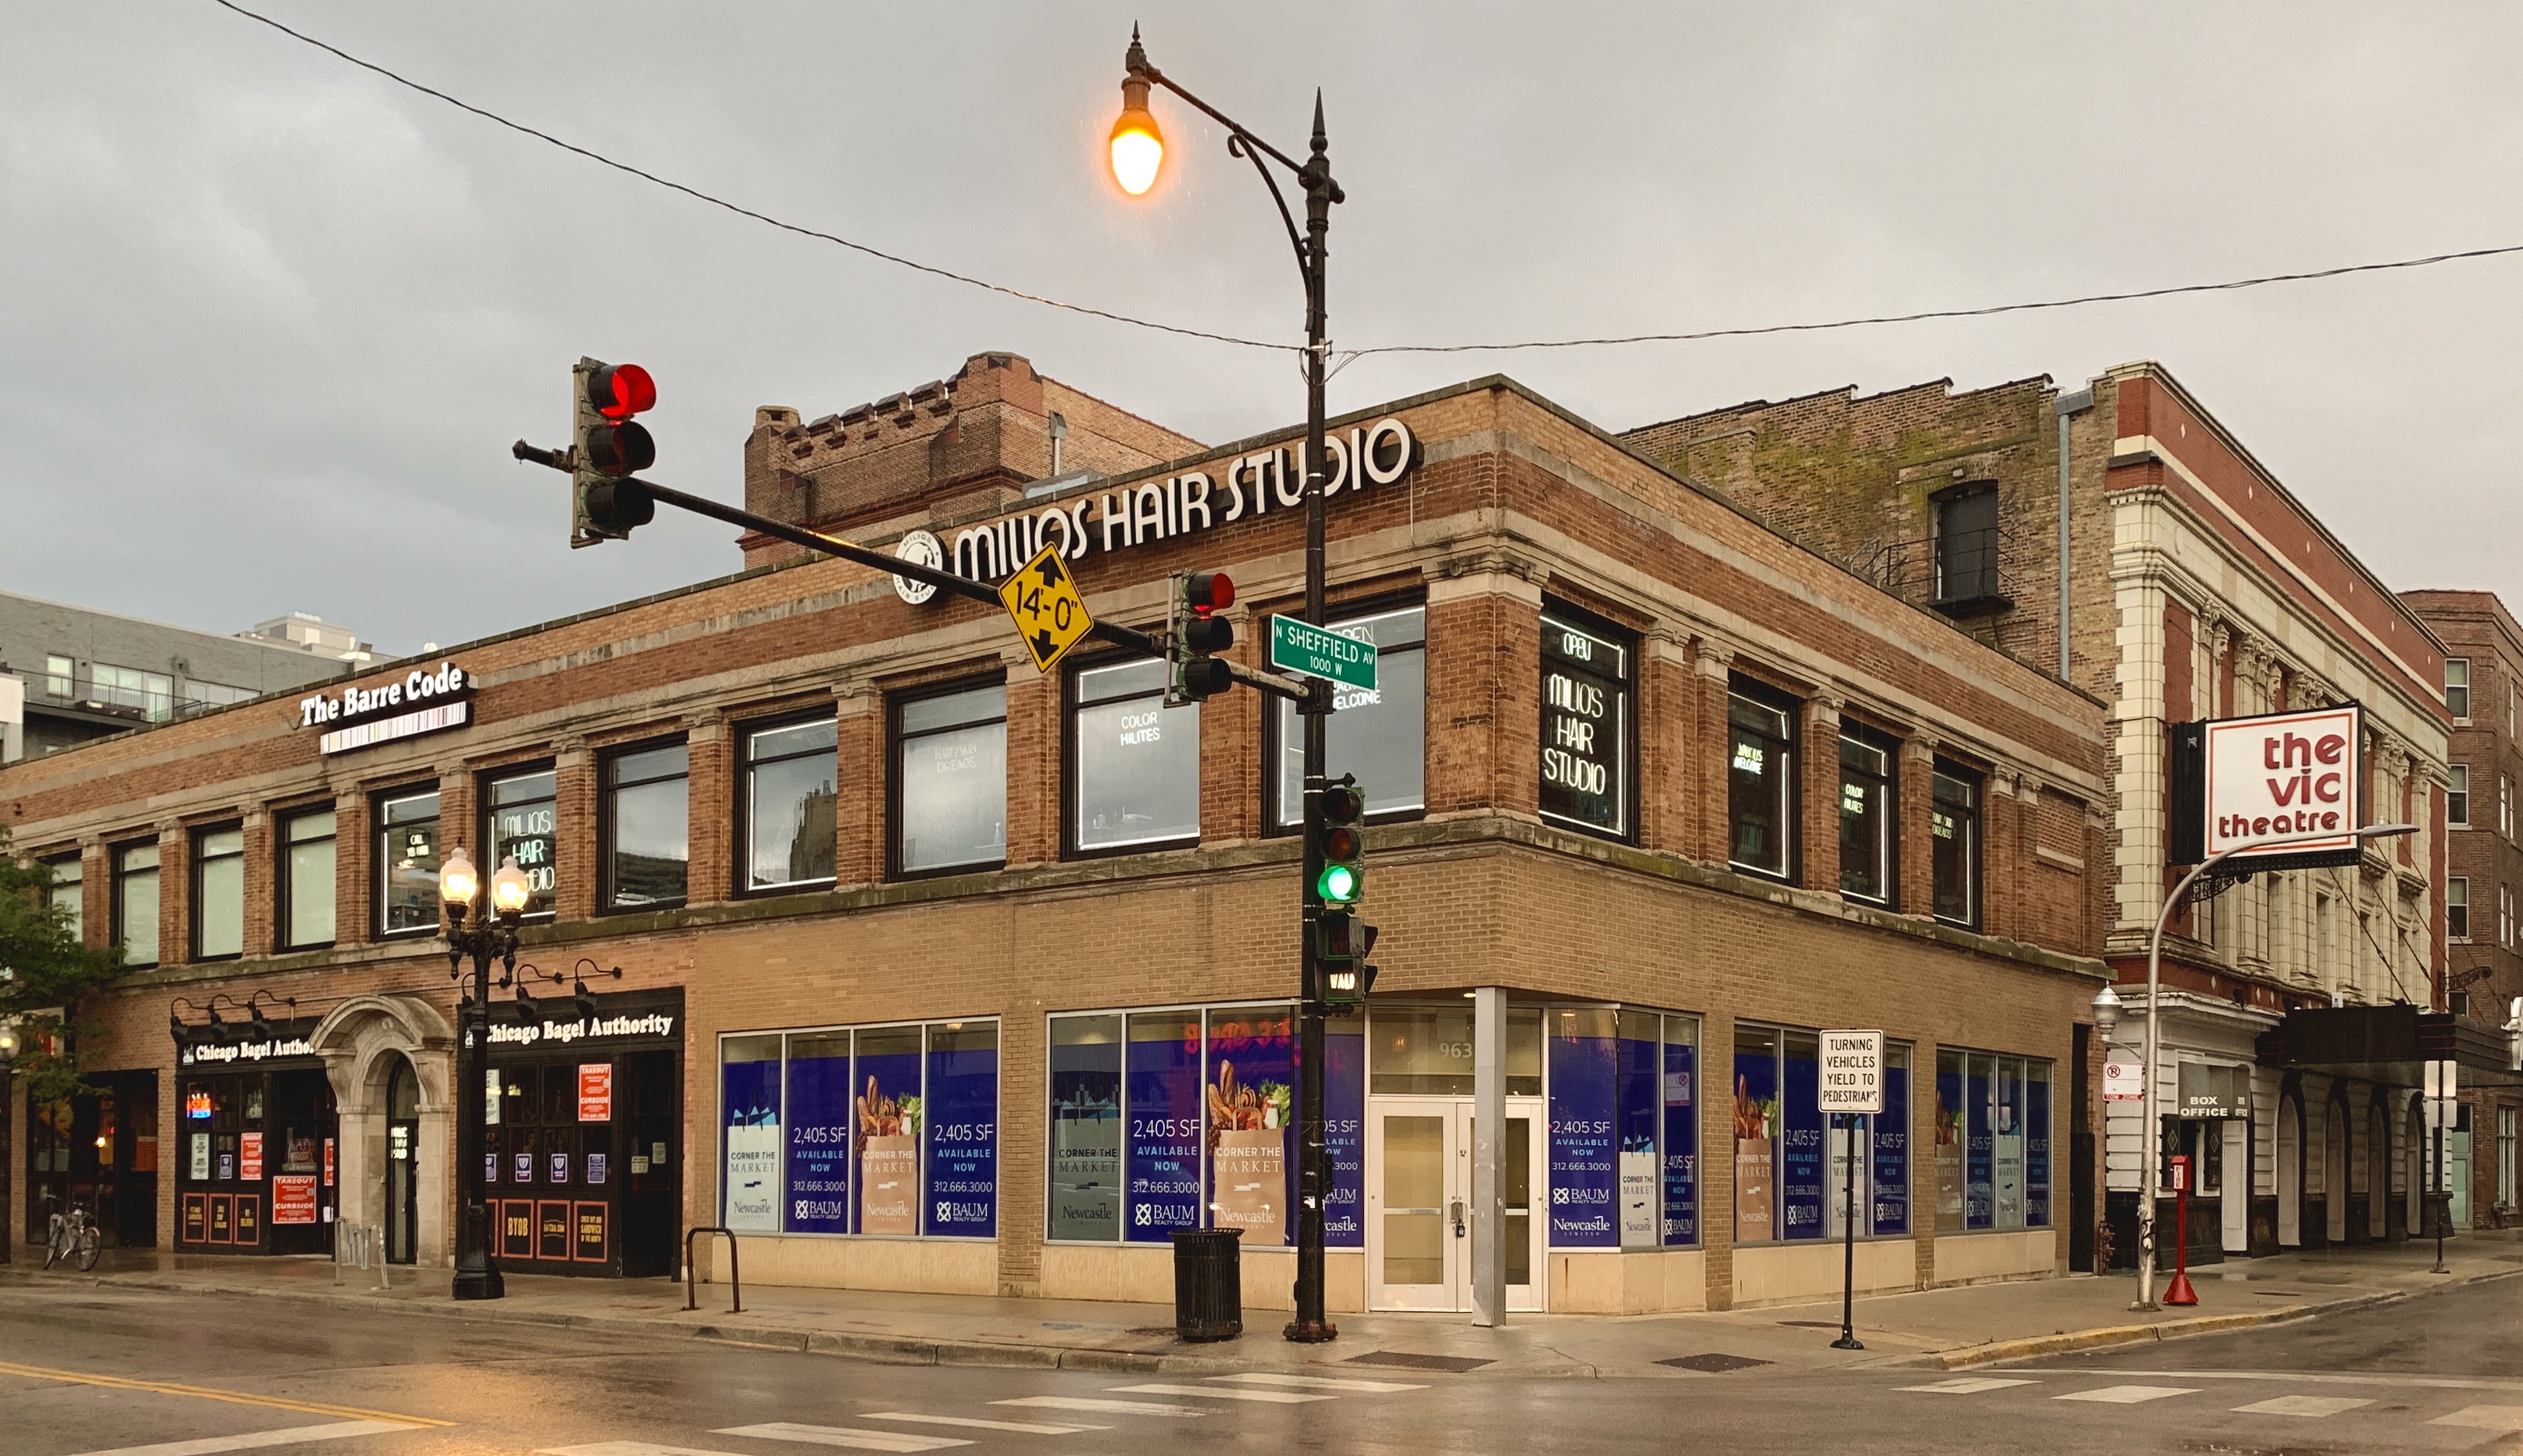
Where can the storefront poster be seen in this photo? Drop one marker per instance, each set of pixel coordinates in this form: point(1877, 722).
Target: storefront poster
point(592, 1245)
point(196, 1218)
point(559, 1167)
point(2036, 1152)
point(595, 1092)
point(249, 1157)
point(1637, 1103)
point(1802, 1171)
point(1949, 1146)
point(1087, 1139)
point(249, 1215)
point(223, 1218)
point(752, 1091)
point(1980, 1149)
point(1249, 1104)
point(227, 1167)
point(963, 1125)
point(885, 1115)
point(552, 1231)
point(1680, 1144)
point(199, 1158)
point(1846, 1137)
point(1344, 1115)
point(595, 1169)
point(2007, 1161)
point(1756, 1128)
point(328, 1163)
point(293, 1198)
point(819, 1142)
point(1892, 1154)
point(518, 1231)
point(525, 1167)
point(1582, 1163)
point(1162, 1065)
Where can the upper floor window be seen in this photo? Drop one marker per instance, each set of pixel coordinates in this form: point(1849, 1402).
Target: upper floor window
point(1760, 783)
point(135, 902)
point(63, 892)
point(1966, 540)
point(1379, 734)
point(523, 812)
point(2457, 797)
point(2505, 805)
point(60, 677)
point(408, 852)
point(153, 693)
point(647, 827)
point(1953, 842)
point(1867, 853)
point(307, 879)
point(1586, 726)
point(2458, 908)
point(791, 808)
point(1136, 761)
point(950, 779)
point(2458, 686)
point(219, 893)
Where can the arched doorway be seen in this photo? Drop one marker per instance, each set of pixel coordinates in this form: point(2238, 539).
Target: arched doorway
point(2290, 1173)
point(402, 1162)
point(2334, 1171)
point(2378, 1170)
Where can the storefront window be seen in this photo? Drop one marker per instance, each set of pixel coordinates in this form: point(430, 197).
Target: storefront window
point(1137, 761)
point(63, 892)
point(1426, 1051)
point(307, 879)
point(1793, 1162)
point(407, 851)
point(1585, 726)
point(1624, 1128)
point(1680, 1149)
point(1760, 784)
point(749, 1109)
point(1888, 1177)
point(820, 1123)
point(1866, 800)
point(1953, 843)
point(1756, 1132)
point(1801, 1162)
point(1949, 1140)
point(791, 811)
point(1379, 734)
point(1250, 1107)
point(135, 903)
point(524, 825)
point(218, 894)
point(1980, 1141)
point(950, 777)
point(960, 1166)
point(648, 827)
point(2037, 1145)
point(1085, 1129)
point(1161, 1077)
point(1585, 1117)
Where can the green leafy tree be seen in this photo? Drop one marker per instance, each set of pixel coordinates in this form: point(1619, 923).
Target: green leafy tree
point(45, 975)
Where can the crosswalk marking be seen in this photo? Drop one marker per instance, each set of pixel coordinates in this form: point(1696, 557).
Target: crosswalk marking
point(2485, 1418)
point(1967, 1384)
point(287, 1435)
point(2128, 1394)
point(844, 1435)
point(626, 1448)
point(1318, 1383)
point(1086, 1404)
point(976, 1423)
point(2301, 1406)
point(1212, 1392)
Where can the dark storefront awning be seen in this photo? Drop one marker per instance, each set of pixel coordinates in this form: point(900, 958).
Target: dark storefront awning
point(2391, 1045)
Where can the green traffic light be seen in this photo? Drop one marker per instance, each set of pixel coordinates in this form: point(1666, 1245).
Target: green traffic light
point(1338, 885)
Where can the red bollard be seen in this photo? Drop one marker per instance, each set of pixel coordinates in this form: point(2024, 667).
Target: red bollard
point(2179, 1290)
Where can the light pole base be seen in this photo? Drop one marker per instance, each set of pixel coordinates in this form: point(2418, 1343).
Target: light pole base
point(479, 1283)
point(2144, 1307)
point(2179, 1290)
point(1848, 1343)
point(1311, 1332)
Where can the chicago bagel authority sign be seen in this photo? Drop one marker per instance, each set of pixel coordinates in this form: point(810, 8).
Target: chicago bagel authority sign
point(1252, 485)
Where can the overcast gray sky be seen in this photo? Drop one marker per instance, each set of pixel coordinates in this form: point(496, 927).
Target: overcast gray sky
point(268, 322)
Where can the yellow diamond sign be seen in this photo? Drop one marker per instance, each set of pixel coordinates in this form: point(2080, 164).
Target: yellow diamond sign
point(1043, 600)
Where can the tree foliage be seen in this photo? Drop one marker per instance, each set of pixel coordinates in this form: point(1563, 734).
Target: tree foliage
point(45, 976)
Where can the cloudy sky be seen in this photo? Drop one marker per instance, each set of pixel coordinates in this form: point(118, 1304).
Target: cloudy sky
point(268, 322)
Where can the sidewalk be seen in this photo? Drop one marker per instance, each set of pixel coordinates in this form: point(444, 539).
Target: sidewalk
point(1947, 1329)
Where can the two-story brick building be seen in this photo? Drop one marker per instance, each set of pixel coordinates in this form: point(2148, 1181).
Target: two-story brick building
point(938, 974)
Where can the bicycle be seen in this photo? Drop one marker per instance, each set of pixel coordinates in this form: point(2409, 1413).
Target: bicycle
point(74, 1236)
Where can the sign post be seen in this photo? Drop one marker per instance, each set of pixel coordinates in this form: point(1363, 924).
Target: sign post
point(1852, 1085)
point(2439, 1090)
point(2179, 1290)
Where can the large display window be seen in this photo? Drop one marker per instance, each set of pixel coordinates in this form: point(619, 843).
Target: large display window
point(1586, 724)
point(1624, 1163)
point(257, 1151)
point(888, 1131)
point(582, 1130)
point(1379, 734)
point(1792, 1169)
point(1992, 1140)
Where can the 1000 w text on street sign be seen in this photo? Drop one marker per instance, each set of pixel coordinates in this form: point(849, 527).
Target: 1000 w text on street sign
point(1302, 647)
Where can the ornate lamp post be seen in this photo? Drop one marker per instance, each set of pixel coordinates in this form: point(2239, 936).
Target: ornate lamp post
point(491, 937)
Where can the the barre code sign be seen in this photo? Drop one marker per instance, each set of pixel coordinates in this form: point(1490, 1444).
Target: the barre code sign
point(1852, 1071)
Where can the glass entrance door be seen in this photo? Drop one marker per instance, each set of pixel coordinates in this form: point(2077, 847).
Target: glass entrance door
point(403, 1165)
point(1420, 1210)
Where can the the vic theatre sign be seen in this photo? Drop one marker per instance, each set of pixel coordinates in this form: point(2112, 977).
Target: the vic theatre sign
point(1254, 485)
point(2283, 777)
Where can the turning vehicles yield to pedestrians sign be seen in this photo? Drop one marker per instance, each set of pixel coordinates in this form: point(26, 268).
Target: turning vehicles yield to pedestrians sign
point(1852, 1071)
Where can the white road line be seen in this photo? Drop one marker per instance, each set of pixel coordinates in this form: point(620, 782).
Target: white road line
point(976, 1423)
point(2301, 1406)
point(2127, 1394)
point(625, 1448)
point(1212, 1392)
point(1085, 1404)
point(1319, 1383)
point(2485, 1418)
point(1967, 1384)
point(844, 1435)
point(2401, 1381)
point(287, 1435)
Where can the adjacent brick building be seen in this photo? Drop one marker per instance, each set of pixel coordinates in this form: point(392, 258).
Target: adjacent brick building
point(936, 973)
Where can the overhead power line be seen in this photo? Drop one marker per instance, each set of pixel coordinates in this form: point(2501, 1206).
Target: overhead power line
point(1348, 355)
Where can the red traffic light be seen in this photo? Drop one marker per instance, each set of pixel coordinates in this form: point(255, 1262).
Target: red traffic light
point(1340, 843)
point(1343, 804)
point(1210, 590)
point(621, 391)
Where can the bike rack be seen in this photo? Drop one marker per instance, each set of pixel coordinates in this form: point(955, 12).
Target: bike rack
point(691, 1286)
point(354, 1243)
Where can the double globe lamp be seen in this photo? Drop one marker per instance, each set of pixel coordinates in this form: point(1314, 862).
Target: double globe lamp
point(493, 936)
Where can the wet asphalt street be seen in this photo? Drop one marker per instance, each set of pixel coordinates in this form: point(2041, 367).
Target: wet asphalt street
point(140, 1372)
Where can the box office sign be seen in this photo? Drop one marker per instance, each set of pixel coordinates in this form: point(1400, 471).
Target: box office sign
point(421, 701)
point(2215, 1092)
point(2238, 783)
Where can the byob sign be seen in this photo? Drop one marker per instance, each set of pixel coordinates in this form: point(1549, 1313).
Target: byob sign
point(1852, 1071)
point(2284, 775)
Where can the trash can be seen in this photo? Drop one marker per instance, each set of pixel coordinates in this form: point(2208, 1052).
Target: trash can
point(1209, 1283)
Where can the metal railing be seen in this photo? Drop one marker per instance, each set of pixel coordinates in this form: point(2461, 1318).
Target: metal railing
point(1959, 573)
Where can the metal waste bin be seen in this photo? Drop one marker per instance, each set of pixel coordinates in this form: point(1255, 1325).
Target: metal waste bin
point(1209, 1283)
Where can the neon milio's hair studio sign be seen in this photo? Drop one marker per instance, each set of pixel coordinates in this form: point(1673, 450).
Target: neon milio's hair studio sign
point(1253, 485)
point(420, 702)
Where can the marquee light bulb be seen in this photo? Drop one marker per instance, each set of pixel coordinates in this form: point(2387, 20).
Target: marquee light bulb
point(457, 880)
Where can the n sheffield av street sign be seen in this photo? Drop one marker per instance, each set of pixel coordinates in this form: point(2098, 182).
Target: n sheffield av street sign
point(1852, 1071)
point(1302, 647)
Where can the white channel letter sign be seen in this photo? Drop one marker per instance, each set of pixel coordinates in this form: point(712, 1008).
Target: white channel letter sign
point(1852, 1071)
point(420, 702)
point(1154, 510)
point(2284, 775)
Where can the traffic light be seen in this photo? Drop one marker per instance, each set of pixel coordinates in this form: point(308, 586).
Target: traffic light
point(1194, 632)
point(1342, 841)
point(612, 448)
point(1343, 943)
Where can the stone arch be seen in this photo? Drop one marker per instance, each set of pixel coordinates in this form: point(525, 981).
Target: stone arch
point(362, 1041)
point(2290, 1164)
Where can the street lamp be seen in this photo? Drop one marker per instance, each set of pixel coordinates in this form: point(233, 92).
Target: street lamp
point(1137, 152)
point(491, 937)
point(2152, 1134)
